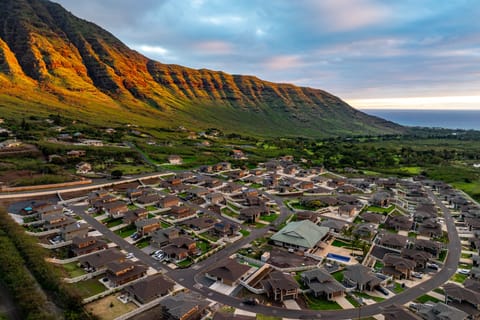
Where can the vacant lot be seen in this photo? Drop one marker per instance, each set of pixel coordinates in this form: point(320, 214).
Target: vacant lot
point(109, 307)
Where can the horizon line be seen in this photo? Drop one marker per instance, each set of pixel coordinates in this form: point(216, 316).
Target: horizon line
point(418, 103)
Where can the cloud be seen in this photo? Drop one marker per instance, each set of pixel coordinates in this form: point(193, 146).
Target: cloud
point(283, 62)
point(348, 15)
point(214, 47)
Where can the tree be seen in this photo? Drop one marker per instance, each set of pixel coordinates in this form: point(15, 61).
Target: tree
point(117, 174)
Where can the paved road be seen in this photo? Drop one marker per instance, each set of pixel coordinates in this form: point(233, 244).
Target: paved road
point(190, 280)
point(119, 241)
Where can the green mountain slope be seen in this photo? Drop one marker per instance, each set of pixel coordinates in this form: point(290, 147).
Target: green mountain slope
point(52, 61)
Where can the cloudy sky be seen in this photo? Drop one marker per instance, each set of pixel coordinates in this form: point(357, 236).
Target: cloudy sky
point(372, 53)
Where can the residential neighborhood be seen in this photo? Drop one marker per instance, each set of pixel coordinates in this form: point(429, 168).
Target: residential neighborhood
point(274, 237)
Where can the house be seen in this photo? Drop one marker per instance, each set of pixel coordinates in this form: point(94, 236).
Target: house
point(203, 223)
point(396, 312)
point(334, 225)
point(180, 249)
point(131, 216)
point(73, 230)
point(301, 235)
point(365, 230)
point(432, 247)
point(59, 220)
point(134, 193)
point(440, 311)
point(212, 183)
point(252, 214)
point(307, 215)
point(147, 226)
point(421, 258)
point(232, 187)
point(225, 229)
point(291, 169)
point(399, 222)
point(121, 272)
point(380, 199)
point(372, 217)
point(174, 159)
point(162, 237)
point(466, 298)
point(430, 228)
point(280, 286)
point(322, 284)
point(182, 306)
point(220, 315)
point(360, 277)
point(181, 212)
point(47, 209)
point(215, 198)
point(81, 245)
point(229, 273)
point(392, 240)
point(348, 210)
point(99, 260)
point(150, 288)
point(83, 168)
point(13, 143)
point(116, 209)
point(397, 267)
point(149, 198)
point(168, 202)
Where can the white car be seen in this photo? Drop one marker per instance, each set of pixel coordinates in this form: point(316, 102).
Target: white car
point(464, 271)
point(130, 255)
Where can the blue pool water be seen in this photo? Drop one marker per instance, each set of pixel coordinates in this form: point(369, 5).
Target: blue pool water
point(338, 257)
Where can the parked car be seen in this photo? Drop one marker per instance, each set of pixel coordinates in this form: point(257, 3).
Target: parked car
point(433, 266)
point(417, 275)
point(156, 253)
point(464, 271)
point(130, 255)
point(251, 301)
point(382, 290)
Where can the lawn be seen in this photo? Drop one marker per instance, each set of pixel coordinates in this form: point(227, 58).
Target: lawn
point(398, 288)
point(460, 278)
point(366, 296)
point(264, 317)
point(412, 234)
point(132, 207)
point(185, 263)
point(109, 307)
point(110, 222)
point(244, 232)
point(165, 225)
point(320, 304)
point(466, 255)
point(143, 243)
point(126, 231)
point(338, 275)
point(203, 245)
point(73, 270)
point(269, 218)
point(208, 236)
point(442, 255)
point(338, 243)
point(88, 288)
point(151, 208)
point(230, 213)
point(353, 301)
point(381, 209)
point(378, 265)
point(426, 298)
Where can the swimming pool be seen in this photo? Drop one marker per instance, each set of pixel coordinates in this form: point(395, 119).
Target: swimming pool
point(338, 257)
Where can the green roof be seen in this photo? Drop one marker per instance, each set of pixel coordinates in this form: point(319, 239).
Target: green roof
point(301, 233)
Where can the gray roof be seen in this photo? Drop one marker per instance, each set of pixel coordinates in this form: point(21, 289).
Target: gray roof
point(303, 233)
point(441, 311)
point(319, 280)
point(182, 303)
point(359, 274)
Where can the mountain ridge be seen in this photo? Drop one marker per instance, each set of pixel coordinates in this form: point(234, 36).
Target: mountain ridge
point(70, 65)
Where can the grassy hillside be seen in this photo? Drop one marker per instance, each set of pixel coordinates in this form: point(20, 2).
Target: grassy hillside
point(54, 62)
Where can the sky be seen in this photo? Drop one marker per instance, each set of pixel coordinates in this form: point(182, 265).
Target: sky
point(372, 53)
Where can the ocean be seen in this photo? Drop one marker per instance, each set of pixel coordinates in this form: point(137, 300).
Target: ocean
point(449, 119)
